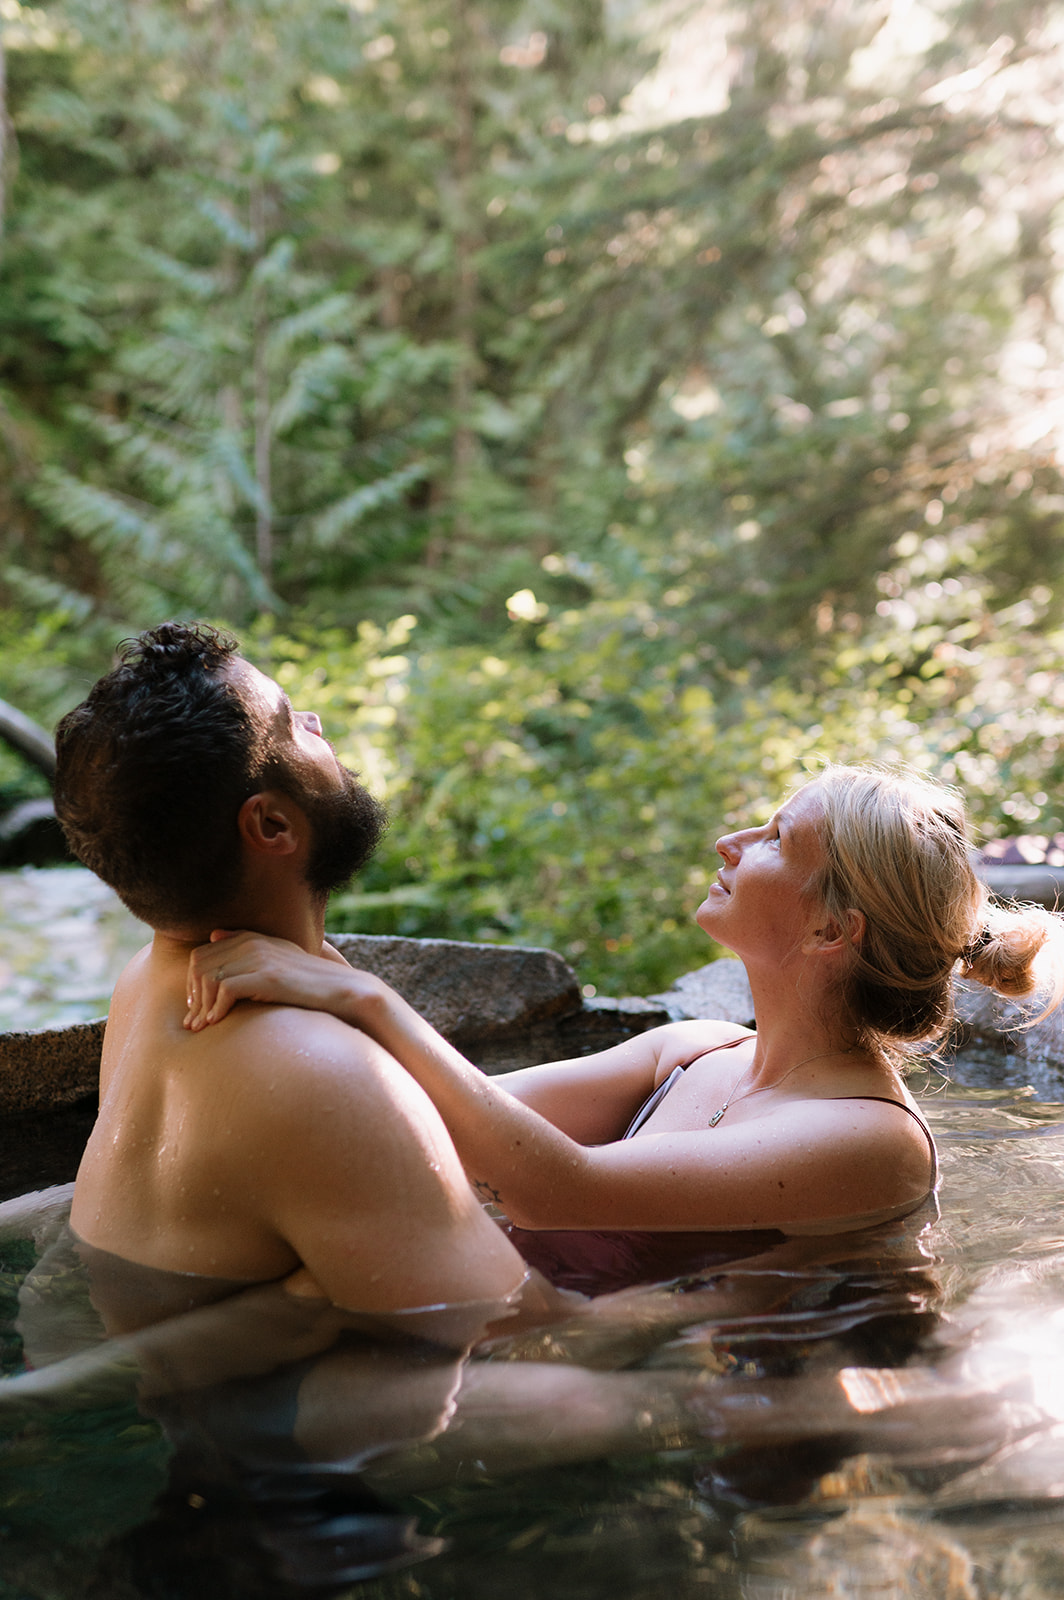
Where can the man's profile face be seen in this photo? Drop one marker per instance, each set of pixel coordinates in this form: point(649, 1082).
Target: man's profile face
point(346, 821)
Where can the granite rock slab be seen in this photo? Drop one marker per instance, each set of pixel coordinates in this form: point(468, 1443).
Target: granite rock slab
point(49, 1067)
point(992, 1019)
point(721, 990)
point(1039, 882)
point(468, 991)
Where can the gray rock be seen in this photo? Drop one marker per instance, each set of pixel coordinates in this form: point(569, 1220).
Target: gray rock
point(598, 1024)
point(982, 1014)
point(1042, 884)
point(719, 990)
point(49, 1066)
point(468, 991)
point(991, 1019)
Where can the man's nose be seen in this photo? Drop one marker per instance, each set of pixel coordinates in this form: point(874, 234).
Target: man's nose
point(727, 847)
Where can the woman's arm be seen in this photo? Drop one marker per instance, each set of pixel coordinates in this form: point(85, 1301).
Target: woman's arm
point(805, 1162)
point(591, 1098)
point(594, 1098)
point(494, 1132)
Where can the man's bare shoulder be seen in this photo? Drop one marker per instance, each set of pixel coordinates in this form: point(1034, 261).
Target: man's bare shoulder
point(313, 1089)
point(132, 980)
point(358, 1157)
point(296, 1055)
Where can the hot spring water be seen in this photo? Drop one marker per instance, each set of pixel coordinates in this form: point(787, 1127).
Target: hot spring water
point(873, 1415)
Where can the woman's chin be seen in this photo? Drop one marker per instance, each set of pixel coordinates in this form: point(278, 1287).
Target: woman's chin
point(707, 914)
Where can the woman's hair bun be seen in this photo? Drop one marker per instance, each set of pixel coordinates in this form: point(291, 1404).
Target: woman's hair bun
point(897, 850)
point(1001, 955)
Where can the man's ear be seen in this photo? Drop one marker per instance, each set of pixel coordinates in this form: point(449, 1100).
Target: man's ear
point(271, 823)
point(837, 936)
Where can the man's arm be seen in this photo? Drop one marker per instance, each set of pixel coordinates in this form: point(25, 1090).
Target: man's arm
point(357, 1172)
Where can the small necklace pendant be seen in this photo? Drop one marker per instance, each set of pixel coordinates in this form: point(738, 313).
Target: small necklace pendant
point(715, 1118)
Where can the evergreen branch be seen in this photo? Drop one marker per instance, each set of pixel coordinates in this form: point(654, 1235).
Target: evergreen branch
point(329, 526)
point(315, 381)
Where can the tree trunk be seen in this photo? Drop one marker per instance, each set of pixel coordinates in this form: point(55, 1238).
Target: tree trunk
point(3, 136)
point(465, 287)
point(28, 738)
point(261, 399)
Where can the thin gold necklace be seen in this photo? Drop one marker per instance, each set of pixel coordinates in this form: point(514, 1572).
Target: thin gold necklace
point(825, 1056)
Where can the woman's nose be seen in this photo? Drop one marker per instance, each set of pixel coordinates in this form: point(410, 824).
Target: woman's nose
point(727, 847)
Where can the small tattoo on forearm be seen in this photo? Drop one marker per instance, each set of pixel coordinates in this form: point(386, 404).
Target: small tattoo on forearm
point(486, 1191)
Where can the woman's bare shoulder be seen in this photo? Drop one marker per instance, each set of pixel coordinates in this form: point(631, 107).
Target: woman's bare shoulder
point(681, 1040)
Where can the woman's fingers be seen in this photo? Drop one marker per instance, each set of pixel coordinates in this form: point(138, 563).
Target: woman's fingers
point(252, 966)
point(221, 973)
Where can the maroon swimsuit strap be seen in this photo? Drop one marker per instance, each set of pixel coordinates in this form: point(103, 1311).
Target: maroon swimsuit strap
point(656, 1096)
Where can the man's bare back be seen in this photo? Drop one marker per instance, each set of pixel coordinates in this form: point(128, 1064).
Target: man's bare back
point(276, 1141)
point(281, 1144)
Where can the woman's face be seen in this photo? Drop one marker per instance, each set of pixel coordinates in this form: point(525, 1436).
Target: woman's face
point(761, 905)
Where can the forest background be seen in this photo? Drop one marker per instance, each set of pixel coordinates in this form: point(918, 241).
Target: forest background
point(598, 412)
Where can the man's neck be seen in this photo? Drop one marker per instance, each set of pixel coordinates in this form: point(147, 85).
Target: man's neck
point(302, 924)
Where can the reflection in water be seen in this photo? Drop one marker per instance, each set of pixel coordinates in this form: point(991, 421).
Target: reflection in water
point(292, 1437)
point(875, 1414)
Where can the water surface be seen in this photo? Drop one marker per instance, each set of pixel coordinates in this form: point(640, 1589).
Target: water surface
point(64, 939)
point(878, 1415)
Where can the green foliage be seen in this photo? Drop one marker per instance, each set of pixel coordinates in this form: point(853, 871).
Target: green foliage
point(568, 791)
point(688, 375)
point(362, 311)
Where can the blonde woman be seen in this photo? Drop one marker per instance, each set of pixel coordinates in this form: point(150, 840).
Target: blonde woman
point(851, 909)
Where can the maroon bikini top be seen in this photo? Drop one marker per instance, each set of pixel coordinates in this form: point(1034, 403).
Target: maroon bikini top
point(654, 1099)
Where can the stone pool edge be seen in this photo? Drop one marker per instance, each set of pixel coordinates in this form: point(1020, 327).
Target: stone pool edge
point(505, 1005)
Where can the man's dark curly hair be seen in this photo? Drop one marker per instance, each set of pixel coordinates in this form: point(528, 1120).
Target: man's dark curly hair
point(152, 769)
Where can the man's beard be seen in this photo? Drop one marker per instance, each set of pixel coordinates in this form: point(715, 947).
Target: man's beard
point(346, 827)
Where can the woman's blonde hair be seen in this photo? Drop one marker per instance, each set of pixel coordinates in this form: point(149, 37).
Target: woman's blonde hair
point(897, 850)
